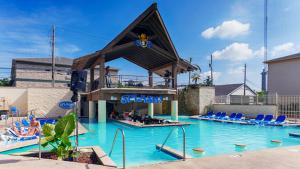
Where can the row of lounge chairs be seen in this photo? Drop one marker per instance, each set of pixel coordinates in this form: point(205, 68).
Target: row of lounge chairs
point(239, 118)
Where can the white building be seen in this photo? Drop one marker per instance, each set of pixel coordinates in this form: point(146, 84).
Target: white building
point(283, 75)
point(233, 90)
point(234, 94)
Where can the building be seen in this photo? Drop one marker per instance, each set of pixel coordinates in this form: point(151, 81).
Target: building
point(233, 90)
point(234, 94)
point(283, 75)
point(146, 43)
point(37, 72)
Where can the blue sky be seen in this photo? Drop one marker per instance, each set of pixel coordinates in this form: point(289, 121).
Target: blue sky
point(230, 29)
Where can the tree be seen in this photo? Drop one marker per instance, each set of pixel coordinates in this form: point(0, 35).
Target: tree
point(207, 81)
point(4, 82)
point(196, 76)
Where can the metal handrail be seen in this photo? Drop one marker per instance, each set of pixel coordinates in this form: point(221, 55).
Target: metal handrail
point(183, 140)
point(40, 150)
point(123, 141)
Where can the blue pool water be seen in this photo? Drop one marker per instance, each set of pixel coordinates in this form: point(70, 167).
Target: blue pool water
point(215, 137)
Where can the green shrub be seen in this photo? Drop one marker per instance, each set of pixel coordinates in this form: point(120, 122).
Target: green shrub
point(58, 136)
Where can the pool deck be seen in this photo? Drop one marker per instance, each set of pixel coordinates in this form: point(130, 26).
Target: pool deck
point(276, 158)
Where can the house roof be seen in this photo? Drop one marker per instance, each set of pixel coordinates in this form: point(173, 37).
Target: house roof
point(157, 58)
point(223, 90)
point(58, 60)
point(289, 57)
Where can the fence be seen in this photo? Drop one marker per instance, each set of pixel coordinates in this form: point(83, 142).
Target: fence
point(246, 100)
point(287, 105)
point(119, 81)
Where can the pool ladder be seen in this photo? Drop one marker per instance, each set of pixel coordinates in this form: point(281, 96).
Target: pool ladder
point(183, 140)
point(123, 144)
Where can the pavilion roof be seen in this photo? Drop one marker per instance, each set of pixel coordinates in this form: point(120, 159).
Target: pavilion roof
point(158, 58)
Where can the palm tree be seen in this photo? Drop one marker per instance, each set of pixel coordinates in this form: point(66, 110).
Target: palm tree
point(196, 76)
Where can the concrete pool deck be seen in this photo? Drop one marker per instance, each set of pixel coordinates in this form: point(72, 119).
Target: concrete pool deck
point(276, 158)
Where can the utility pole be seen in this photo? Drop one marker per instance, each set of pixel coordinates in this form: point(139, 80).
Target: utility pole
point(265, 69)
point(245, 77)
point(190, 72)
point(52, 55)
point(211, 70)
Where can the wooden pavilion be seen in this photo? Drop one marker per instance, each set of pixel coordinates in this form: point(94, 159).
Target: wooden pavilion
point(146, 43)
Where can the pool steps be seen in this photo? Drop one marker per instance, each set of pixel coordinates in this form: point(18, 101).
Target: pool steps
point(103, 157)
point(170, 151)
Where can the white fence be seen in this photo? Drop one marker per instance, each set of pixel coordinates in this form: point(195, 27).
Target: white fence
point(246, 100)
point(287, 105)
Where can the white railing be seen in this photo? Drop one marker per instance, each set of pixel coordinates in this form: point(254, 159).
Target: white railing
point(287, 105)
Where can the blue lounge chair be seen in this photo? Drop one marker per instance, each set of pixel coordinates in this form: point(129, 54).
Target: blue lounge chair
point(18, 125)
point(208, 115)
point(20, 138)
point(25, 123)
point(238, 117)
point(268, 118)
point(279, 120)
point(222, 116)
point(217, 115)
point(257, 120)
point(232, 116)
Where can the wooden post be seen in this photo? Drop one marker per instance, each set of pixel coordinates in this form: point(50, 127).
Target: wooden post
point(150, 78)
point(102, 73)
point(174, 75)
point(92, 77)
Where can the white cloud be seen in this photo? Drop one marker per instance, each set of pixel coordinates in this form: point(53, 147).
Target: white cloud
point(70, 48)
point(259, 52)
point(228, 29)
point(237, 52)
point(234, 52)
point(284, 48)
point(236, 71)
point(216, 75)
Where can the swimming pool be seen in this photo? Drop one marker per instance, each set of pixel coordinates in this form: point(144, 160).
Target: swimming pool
point(215, 137)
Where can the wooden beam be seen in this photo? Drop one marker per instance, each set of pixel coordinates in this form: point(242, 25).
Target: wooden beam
point(150, 73)
point(119, 47)
point(163, 52)
point(174, 75)
point(102, 72)
point(114, 49)
point(92, 77)
point(161, 67)
point(133, 35)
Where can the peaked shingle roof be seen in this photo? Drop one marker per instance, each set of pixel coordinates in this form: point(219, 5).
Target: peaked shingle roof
point(222, 90)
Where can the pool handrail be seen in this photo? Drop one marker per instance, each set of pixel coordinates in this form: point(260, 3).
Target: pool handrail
point(183, 140)
point(123, 144)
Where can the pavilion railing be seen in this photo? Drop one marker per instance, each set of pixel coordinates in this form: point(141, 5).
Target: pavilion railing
point(134, 81)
